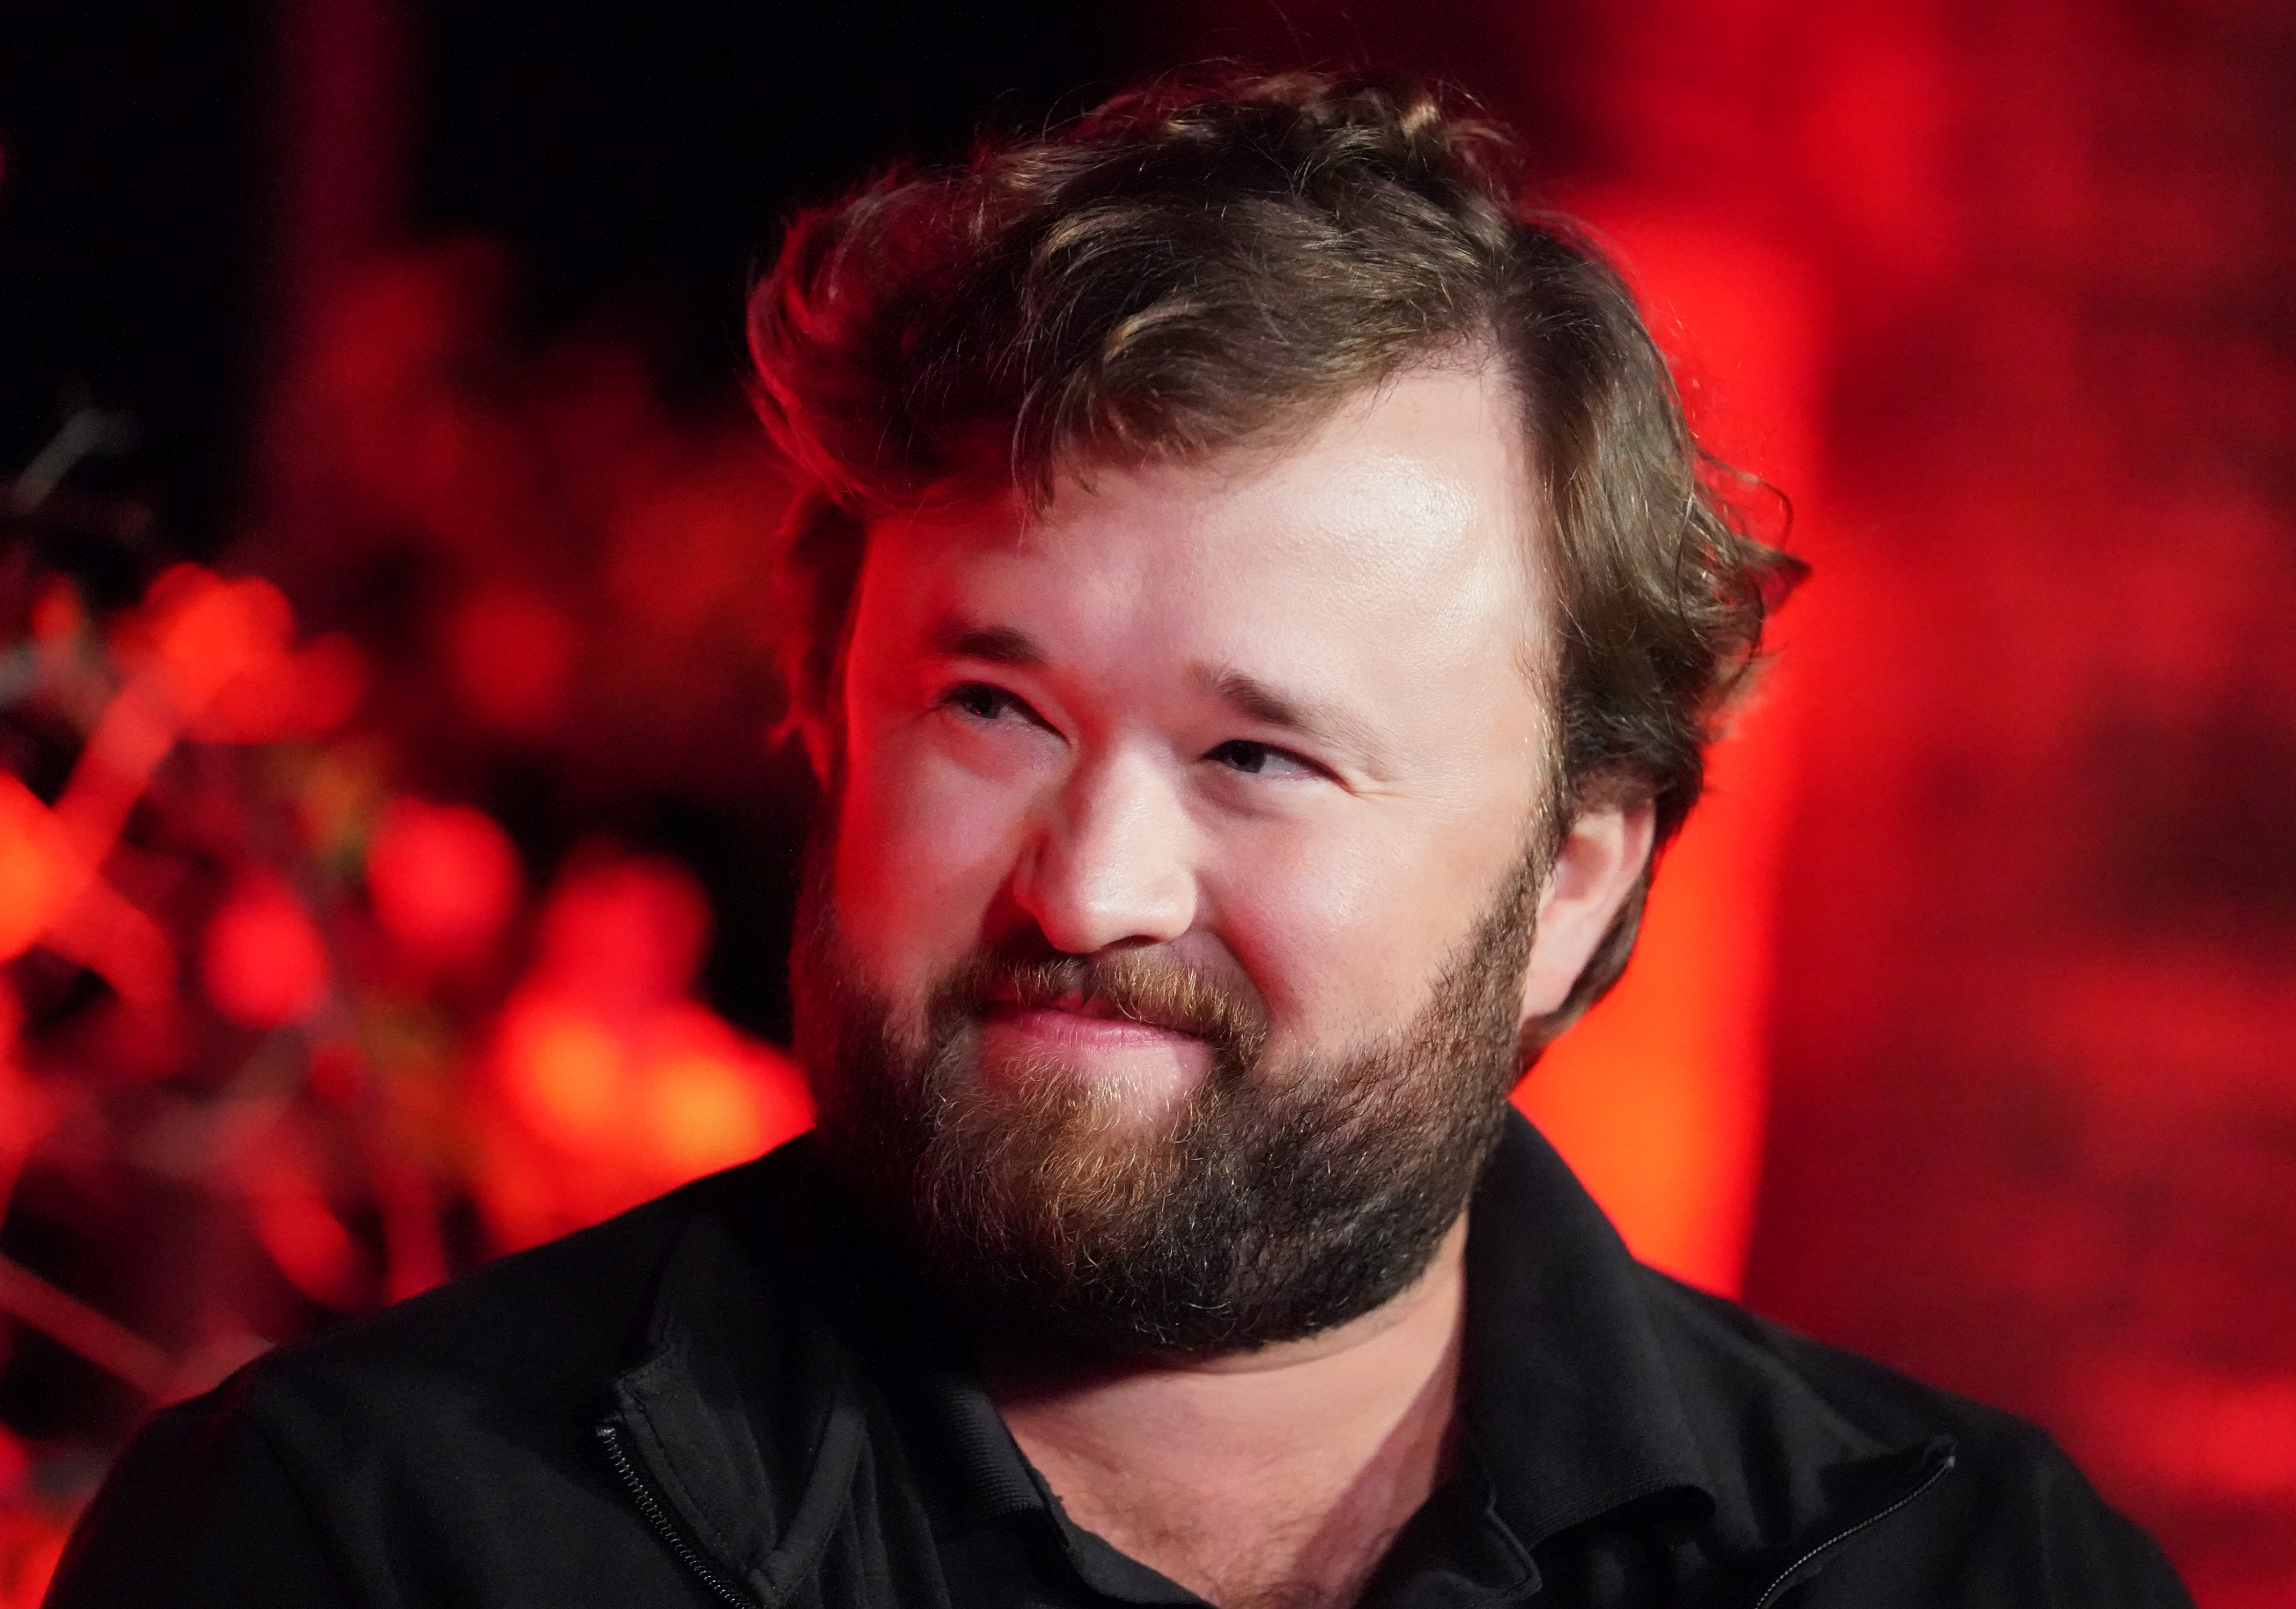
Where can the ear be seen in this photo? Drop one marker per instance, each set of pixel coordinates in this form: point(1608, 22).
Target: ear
point(817, 584)
point(811, 725)
point(1604, 852)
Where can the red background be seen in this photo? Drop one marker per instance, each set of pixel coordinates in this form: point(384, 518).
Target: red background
point(1961, 1032)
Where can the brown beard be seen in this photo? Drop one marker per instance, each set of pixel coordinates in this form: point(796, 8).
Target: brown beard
point(1284, 1196)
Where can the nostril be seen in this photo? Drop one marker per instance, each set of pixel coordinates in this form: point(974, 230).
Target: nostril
point(1108, 865)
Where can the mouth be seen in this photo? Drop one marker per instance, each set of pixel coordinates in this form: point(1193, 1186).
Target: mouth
point(1078, 1005)
point(1078, 1016)
point(1091, 1031)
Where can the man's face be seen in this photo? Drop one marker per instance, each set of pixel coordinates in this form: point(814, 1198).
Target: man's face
point(1199, 814)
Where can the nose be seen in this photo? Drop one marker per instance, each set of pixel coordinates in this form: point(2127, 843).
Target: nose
point(1110, 863)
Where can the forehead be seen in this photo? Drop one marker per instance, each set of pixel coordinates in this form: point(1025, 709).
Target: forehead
point(1410, 508)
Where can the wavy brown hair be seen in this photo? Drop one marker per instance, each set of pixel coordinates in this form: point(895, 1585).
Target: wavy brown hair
point(1226, 259)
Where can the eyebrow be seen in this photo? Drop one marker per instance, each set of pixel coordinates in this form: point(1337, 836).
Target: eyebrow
point(953, 636)
point(1316, 718)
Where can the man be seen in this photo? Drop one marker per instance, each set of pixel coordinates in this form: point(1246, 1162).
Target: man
point(1256, 611)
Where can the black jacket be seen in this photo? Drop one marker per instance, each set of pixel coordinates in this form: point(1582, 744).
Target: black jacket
point(721, 1398)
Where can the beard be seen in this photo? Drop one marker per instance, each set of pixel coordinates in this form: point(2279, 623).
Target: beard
point(1284, 1195)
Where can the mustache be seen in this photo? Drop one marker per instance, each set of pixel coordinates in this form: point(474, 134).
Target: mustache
point(1142, 985)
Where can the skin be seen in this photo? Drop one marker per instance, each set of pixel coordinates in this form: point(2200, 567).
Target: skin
point(1280, 712)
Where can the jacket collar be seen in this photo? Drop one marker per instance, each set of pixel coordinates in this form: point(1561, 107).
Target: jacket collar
point(1570, 1403)
point(743, 1411)
point(1597, 1387)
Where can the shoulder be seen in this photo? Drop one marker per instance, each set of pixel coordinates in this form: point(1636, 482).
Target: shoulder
point(521, 1353)
point(1772, 1409)
point(572, 1306)
point(1727, 1355)
point(451, 1435)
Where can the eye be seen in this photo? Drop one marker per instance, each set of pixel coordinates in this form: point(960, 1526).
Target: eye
point(983, 702)
point(1260, 760)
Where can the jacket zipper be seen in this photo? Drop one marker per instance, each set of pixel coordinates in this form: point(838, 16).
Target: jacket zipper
point(1939, 1469)
point(610, 1436)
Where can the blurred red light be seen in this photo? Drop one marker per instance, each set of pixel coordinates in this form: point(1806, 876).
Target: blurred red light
point(31, 866)
point(264, 965)
point(626, 936)
point(511, 652)
point(444, 880)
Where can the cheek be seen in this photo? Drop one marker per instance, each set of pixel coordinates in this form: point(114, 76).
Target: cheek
point(922, 848)
point(1344, 938)
point(1323, 938)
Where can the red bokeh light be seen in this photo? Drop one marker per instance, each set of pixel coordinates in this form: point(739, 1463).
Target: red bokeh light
point(612, 1085)
point(444, 880)
point(31, 1542)
point(31, 866)
point(263, 963)
point(511, 651)
point(625, 935)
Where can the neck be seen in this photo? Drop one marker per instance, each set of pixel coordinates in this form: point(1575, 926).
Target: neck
point(1283, 1472)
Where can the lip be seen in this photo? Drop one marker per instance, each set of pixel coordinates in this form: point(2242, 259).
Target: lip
point(1081, 1030)
point(1149, 1070)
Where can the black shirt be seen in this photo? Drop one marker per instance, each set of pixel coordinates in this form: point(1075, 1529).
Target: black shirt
point(720, 1397)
